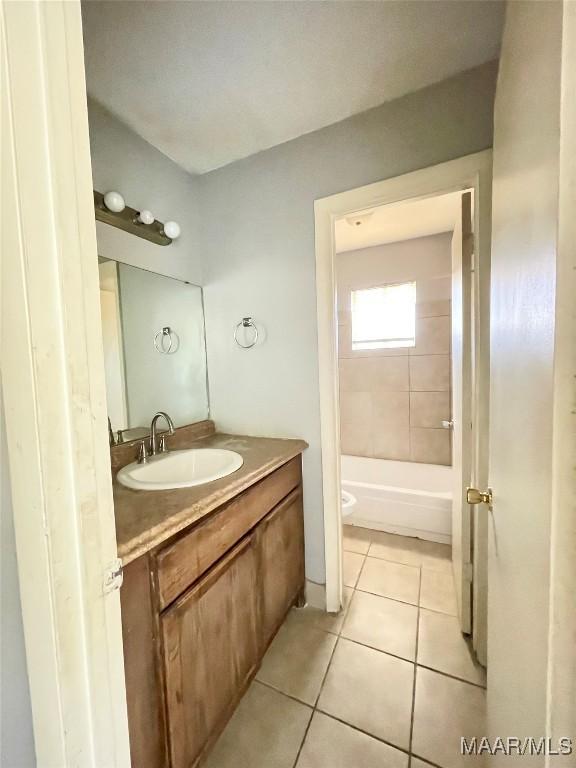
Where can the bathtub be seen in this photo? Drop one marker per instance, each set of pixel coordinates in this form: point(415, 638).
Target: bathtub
point(398, 497)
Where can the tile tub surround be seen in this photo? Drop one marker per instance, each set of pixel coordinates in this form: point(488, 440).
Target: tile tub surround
point(385, 684)
point(144, 519)
point(393, 401)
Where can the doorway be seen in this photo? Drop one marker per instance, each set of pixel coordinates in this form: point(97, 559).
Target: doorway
point(468, 173)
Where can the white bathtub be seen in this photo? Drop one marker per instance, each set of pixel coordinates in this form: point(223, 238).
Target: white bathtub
point(399, 497)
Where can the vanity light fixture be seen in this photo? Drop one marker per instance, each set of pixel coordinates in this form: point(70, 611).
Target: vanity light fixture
point(145, 217)
point(110, 208)
point(172, 230)
point(114, 202)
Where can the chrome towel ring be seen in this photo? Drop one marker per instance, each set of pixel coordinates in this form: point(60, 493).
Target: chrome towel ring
point(163, 341)
point(246, 322)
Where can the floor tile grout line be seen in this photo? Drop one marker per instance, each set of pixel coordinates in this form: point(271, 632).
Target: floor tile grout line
point(338, 635)
point(373, 648)
point(315, 709)
point(304, 735)
point(405, 602)
point(325, 675)
point(394, 562)
point(386, 597)
point(445, 570)
point(426, 760)
point(440, 613)
point(426, 559)
point(452, 677)
point(427, 566)
point(366, 733)
point(420, 566)
point(419, 609)
point(315, 705)
point(364, 557)
point(283, 693)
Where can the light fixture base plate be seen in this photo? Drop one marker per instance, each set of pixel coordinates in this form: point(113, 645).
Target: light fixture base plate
point(128, 221)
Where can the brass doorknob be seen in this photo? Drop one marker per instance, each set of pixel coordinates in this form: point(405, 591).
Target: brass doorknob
point(474, 496)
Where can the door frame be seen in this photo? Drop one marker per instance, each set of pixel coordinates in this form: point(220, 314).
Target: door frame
point(469, 172)
point(462, 396)
point(54, 394)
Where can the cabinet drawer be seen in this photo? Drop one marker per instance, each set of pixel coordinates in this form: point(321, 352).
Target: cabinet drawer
point(184, 561)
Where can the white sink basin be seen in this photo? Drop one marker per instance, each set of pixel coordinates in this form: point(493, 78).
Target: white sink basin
point(180, 469)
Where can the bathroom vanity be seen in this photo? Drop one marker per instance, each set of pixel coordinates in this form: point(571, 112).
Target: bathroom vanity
point(209, 570)
point(210, 573)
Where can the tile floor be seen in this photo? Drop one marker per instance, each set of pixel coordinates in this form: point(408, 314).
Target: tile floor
point(387, 683)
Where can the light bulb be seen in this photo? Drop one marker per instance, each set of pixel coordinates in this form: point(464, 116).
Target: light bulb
point(146, 217)
point(114, 202)
point(172, 230)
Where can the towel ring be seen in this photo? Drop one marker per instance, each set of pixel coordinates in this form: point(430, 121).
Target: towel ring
point(162, 335)
point(246, 322)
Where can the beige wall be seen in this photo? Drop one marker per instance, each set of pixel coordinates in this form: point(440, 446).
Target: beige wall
point(393, 401)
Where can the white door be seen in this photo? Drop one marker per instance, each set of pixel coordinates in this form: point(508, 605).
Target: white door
point(462, 249)
point(531, 598)
point(54, 395)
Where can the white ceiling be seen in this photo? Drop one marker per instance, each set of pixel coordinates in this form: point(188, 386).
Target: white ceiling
point(210, 82)
point(401, 221)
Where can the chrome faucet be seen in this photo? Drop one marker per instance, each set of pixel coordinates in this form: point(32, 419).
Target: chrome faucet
point(154, 447)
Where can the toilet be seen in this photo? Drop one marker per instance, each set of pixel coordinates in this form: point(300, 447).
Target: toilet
point(348, 502)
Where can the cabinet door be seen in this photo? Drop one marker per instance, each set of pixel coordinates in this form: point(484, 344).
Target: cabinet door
point(281, 551)
point(210, 650)
point(144, 689)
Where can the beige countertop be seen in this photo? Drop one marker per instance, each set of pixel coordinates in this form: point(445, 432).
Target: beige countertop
point(145, 519)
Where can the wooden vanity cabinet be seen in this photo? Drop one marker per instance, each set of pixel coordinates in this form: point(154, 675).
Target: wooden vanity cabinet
point(188, 663)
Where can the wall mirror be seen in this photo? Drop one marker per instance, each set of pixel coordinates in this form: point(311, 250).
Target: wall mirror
point(154, 349)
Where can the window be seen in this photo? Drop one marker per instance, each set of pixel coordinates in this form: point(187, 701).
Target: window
point(384, 317)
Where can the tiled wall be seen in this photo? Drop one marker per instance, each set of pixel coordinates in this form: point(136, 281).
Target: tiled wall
point(393, 402)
